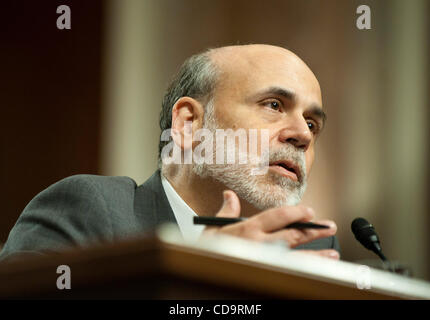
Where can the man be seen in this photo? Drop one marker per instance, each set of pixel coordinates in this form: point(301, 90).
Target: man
point(248, 87)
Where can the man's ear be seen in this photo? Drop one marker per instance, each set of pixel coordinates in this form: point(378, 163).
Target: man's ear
point(187, 118)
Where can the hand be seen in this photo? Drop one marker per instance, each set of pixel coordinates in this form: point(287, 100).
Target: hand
point(269, 225)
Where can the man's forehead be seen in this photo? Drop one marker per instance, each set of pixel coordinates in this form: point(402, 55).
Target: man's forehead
point(239, 59)
point(252, 67)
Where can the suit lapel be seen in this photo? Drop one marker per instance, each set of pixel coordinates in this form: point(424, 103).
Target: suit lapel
point(151, 205)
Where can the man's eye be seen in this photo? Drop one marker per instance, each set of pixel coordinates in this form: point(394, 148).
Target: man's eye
point(313, 127)
point(273, 104)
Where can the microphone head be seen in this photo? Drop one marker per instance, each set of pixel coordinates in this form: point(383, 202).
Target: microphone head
point(365, 233)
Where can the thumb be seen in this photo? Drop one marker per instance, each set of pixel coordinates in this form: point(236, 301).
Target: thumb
point(231, 206)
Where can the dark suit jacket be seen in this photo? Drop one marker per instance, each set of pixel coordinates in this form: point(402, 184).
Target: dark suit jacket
point(87, 209)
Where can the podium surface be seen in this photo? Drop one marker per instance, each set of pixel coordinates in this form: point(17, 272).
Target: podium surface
point(164, 266)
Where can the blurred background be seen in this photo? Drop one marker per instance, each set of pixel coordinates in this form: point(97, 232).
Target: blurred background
point(87, 100)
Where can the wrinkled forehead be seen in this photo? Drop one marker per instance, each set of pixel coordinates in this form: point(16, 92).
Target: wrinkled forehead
point(248, 69)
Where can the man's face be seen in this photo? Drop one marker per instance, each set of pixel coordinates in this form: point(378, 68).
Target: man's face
point(265, 87)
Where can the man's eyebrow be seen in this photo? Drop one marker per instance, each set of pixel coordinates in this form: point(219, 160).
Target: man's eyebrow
point(278, 91)
point(314, 110)
point(318, 112)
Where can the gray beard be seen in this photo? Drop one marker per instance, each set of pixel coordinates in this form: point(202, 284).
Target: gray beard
point(263, 191)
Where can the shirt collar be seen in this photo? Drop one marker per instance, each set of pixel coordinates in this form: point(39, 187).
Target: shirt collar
point(183, 213)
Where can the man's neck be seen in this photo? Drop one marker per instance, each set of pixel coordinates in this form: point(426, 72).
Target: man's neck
point(203, 195)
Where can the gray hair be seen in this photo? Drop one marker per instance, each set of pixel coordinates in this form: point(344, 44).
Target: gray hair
point(197, 79)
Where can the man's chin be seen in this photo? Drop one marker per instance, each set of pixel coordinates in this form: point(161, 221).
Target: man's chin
point(268, 193)
point(272, 196)
point(264, 191)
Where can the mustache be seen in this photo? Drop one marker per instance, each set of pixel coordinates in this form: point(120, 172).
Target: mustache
point(292, 154)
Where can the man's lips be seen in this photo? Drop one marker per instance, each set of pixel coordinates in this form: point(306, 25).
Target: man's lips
point(287, 169)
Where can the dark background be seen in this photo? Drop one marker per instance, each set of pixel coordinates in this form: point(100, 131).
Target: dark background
point(50, 98)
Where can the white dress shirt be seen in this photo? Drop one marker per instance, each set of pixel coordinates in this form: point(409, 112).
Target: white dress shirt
point(183, 213)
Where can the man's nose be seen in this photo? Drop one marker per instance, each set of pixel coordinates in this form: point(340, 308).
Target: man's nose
point(297, 133)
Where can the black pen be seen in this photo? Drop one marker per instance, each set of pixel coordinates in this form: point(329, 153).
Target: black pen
point(215, 221)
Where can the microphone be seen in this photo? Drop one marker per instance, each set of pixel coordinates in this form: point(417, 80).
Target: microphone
point(366, 235)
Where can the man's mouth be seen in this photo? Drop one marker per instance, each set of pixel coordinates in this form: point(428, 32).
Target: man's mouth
point(287, 169)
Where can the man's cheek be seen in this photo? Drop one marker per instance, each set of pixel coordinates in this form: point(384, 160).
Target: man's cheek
point(309, 156)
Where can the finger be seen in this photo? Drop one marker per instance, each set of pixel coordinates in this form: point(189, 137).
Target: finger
point(308, 235)
point(277, 218)
point(328, 253)
point(329, 223)
point(230, 209)
point(296, 237)
point(231, 205)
